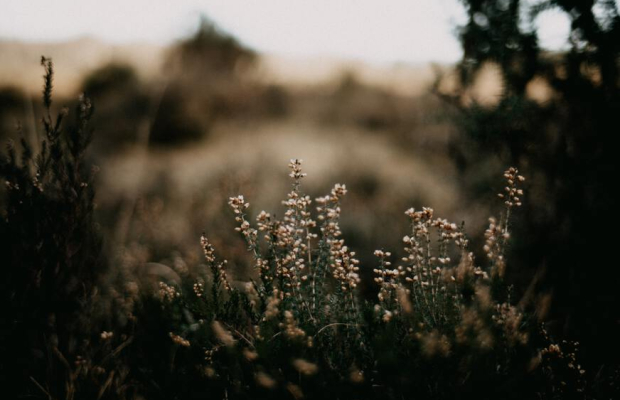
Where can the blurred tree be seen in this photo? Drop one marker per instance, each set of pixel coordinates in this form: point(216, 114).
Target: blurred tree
point(210, 50)
point(205, 84)
point(110, 77)
point(122, 101)
point(566, 143)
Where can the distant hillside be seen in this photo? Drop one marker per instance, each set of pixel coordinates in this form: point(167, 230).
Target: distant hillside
point(401, 78)
point(73, 59)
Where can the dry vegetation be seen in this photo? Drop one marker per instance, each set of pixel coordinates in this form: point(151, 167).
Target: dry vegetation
point(135, 269)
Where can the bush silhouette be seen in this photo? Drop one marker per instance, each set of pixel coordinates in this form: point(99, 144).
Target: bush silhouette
point(51, 249)
point(565, 144)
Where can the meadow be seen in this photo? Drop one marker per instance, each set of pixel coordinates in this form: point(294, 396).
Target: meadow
point(208, 228)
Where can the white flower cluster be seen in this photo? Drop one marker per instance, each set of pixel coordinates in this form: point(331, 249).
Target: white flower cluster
point(167, 293)
point(512, 192)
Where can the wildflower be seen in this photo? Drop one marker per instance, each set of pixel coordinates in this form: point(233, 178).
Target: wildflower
point(179, 340)
point(295, 391)
point(209, 354)
point(512, 191)
point(264, 380)
point(199, 289)
point(403, 300)
point(509, 319)
point(239, 206)
point(250, 355)
point(356, 376)
point(305, 367)
point(295, 166)
point(208, 249)
point(291, 330)
point(339, 191)
point(222, 334)
point(167, 293)
point(106, 335)
point(433, 343)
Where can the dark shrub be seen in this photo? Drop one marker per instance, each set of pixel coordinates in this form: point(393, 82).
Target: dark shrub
point(51, 250)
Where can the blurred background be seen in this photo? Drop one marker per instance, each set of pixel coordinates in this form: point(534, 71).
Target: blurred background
point(408, 103)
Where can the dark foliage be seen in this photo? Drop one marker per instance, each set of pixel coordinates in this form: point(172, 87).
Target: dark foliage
point(12, 101)
point(566, 145)
point(123, 105)
point(51, 251)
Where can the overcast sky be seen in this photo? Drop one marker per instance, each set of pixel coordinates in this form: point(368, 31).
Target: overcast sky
point(383, 31)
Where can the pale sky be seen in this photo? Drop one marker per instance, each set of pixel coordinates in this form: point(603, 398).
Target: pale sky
point(383, 31)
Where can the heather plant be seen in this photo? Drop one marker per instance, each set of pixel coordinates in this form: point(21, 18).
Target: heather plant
point(440, 323)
